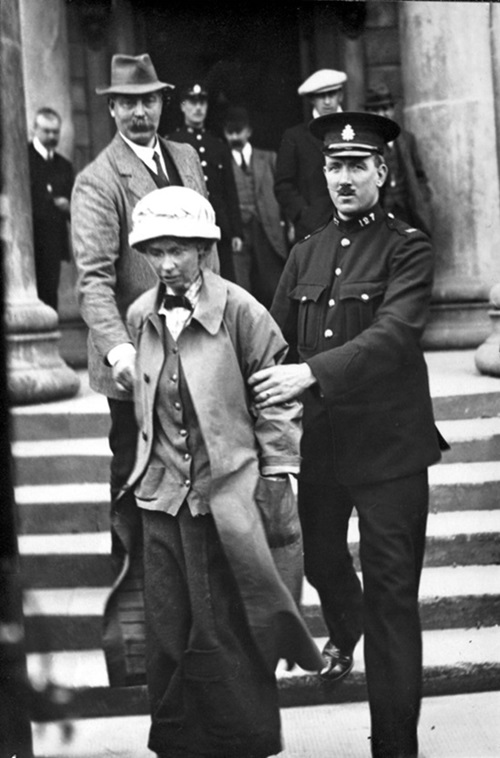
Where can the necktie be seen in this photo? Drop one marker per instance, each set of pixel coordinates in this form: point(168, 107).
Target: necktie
point(244, 164)
point(162, 177)
point(177, 301)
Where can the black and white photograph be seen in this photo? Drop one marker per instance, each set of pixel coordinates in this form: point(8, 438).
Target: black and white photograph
point(250, 379)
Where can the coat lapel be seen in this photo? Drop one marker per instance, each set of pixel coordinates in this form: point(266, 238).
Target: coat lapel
point(131, 169)
point(258, 170)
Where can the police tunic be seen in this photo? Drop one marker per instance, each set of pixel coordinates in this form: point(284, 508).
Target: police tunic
point(353, 302)
point(215, 159)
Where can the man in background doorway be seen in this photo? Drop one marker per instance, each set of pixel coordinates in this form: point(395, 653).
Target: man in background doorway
point(215, 159)
point(51, 181)
point(259, 264)
point(406, 194)
point(300, 185)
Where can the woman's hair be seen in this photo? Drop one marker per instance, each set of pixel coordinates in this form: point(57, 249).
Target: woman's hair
point(204, 246)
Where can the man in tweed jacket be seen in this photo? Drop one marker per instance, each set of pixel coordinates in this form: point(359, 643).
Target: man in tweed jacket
point(110, 274)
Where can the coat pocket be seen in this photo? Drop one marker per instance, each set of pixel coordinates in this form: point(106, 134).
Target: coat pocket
point(360, 302)
point(307, 297)
point(148, 487)
point(278, 509)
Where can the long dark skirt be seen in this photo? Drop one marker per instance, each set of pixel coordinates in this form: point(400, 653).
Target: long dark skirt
point(210, 694)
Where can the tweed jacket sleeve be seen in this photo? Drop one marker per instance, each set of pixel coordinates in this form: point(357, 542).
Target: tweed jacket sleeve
point(101, 212)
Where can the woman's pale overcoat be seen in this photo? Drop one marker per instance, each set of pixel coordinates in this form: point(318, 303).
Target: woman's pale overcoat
point(230, 337)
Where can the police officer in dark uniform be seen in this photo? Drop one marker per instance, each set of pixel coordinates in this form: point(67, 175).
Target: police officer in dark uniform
point(215, 159)
point(352, 302)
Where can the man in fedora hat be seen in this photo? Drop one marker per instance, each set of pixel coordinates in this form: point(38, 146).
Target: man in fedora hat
point(352, 303)
point(300, 185)
point(110, 274)
point(406, 192)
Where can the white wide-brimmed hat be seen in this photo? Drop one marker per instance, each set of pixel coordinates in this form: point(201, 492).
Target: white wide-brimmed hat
point(173, 212)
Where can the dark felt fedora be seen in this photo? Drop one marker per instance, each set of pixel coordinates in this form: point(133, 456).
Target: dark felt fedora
point(132, 75)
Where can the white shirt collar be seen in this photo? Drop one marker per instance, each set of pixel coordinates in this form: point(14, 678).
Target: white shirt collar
point(246, 152)
point(145, 152)
point(315, 113)
point(41, 150)
point(178, 318)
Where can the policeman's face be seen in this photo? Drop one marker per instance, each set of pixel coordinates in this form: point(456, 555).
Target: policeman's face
point(195, 111)
point(354, 183)
point(137, 117)
point(237, 139)
point(48, 130)
point(175, 261)
point(327, 102)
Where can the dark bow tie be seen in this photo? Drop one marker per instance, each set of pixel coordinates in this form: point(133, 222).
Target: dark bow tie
point(177, 301)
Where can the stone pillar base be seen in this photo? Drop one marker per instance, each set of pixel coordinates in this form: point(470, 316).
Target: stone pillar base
point(36, 372)
point(457, 326)
point(487, 356)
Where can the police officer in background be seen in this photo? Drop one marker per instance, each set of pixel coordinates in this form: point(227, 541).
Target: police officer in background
point(300, 185)
point(352, 303)
point(215, 158)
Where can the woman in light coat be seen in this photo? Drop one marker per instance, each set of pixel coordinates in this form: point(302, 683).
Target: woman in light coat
point(212, 483)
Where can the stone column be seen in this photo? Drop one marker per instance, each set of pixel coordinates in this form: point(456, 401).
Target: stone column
point(448, 78)
point(46, 65)
point(35, 371)
point(487, 357)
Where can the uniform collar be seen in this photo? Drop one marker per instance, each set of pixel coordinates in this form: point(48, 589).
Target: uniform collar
point(359, 222)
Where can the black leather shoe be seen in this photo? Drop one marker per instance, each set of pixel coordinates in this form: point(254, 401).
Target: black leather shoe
point(337, 663)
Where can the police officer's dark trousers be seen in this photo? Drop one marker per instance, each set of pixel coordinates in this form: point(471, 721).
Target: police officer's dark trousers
point(392, 521)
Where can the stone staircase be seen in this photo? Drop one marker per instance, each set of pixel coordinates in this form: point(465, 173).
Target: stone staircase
point(61, 472)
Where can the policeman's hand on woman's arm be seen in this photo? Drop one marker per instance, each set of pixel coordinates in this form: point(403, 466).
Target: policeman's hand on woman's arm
point(278, 384)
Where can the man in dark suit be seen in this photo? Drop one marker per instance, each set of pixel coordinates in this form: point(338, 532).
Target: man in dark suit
point(406, 193)
point(259, 264)
point(352, 303)
point(300, 185)
point(110, 274)
point(215, 160)
point(51, 179)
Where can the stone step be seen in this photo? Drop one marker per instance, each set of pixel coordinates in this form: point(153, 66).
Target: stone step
point(86, 459)
point(455, 660)
point(60, 422)
point(466, 405)
point(455, 725)
point(465, 486)
point(62, 508)
point(61, 461)
point(458, 390)
point(71, 618)
point(46, 508)
point(83, 559)
point(472, 439)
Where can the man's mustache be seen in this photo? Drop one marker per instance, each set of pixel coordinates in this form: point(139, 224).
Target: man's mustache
point(141, 126)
